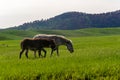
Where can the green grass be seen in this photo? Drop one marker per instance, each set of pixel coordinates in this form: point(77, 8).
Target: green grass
point(95, 58)
point(20, 34)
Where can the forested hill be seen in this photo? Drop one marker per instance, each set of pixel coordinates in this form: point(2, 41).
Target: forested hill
point(75, 20)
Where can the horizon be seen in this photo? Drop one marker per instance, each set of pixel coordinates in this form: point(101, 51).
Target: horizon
point(51, 17)
point(18, 12)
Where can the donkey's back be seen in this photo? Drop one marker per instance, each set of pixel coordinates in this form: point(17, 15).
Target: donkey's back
point(37, 43)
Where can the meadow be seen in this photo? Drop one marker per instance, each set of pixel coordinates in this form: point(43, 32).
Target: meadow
point(10, 34)
point(94, 58)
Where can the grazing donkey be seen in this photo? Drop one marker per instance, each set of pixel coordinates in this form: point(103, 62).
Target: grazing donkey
point(36, 44)
point(59, 40)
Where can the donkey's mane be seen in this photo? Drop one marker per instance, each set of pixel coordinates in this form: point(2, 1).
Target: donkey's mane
point(53, 35)
point(49, 35)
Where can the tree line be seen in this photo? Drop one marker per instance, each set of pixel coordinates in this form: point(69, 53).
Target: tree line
point(75, 20)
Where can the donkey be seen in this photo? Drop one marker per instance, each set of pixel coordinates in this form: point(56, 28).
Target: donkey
point(59, 40)
point(36, 44)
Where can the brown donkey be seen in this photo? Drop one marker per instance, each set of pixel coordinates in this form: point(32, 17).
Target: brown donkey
point(36, 44)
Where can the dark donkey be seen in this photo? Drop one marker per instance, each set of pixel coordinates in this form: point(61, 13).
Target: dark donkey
point(36, 44)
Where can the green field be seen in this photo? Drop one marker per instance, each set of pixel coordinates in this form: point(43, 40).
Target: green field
point(95, 58)
point(20, 34)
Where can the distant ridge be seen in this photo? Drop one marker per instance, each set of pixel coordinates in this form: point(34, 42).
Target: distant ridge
point(75, 20)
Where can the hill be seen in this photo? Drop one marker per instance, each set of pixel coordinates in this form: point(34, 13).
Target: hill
point(20, 34)
point(75, 20)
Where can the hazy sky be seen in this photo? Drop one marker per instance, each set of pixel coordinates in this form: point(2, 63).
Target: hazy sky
point(16, 12)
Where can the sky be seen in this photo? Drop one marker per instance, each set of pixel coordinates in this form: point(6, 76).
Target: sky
point(17, 12)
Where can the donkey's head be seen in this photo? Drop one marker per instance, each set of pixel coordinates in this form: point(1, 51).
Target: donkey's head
point(69, 46)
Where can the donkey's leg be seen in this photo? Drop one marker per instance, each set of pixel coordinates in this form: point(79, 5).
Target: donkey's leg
point(21, 53)
point(57, 51)
point(44, 52)
point(35, 53)
point(51, 52)
point(39, 52)
point(26, 53)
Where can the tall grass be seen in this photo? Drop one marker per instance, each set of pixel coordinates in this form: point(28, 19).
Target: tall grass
point(95, 58)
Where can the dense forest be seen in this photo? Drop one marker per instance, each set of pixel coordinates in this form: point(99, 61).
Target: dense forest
point(75, 20)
